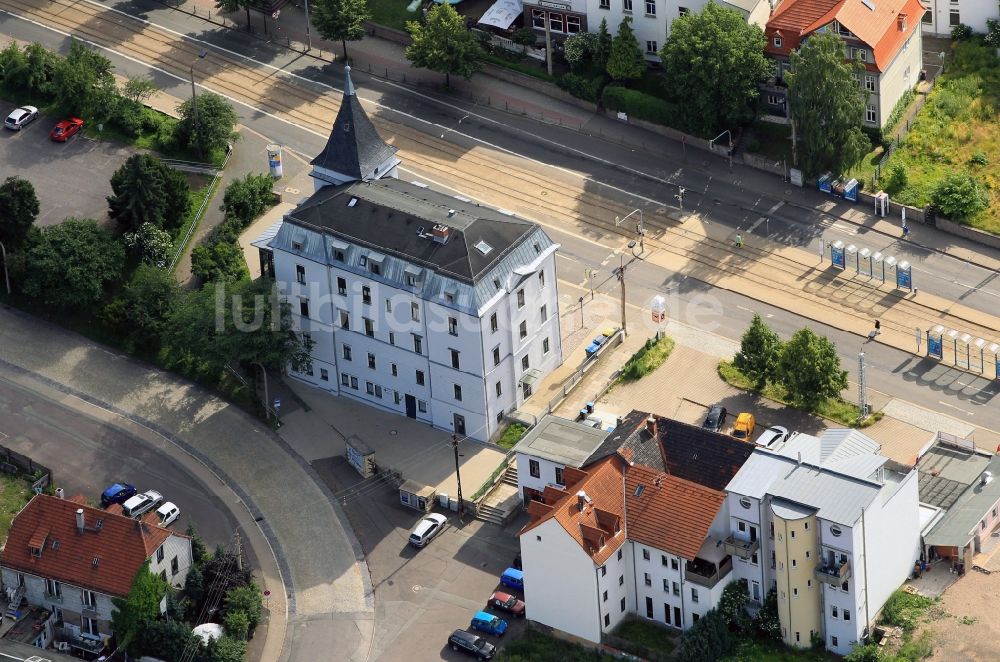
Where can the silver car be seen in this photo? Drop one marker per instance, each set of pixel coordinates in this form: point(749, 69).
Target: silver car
point(20, 117)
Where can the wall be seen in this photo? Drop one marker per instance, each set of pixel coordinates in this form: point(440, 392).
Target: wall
point(560, 582)
point(661, 566)
point(546, 471)
point(978, 236)
point(745, 569)
point(799, 606)
point(971, 12)
point(847, 631)
point(174, 546)
point(71, 604)
point(536, 84)
point(902, 74)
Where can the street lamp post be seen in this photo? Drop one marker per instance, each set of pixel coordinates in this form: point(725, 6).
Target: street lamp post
point(640, 228)
point(309, 43)
point(267, 401)
point(194, 93)
point(6, 276)
point(620, 272)
point(711, 143)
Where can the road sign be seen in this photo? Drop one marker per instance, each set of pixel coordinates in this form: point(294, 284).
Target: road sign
point(277, 402)
point(267, 593)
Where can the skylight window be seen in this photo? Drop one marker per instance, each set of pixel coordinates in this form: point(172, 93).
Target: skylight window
point(352, 202)
point(483, 247)
point(639, 489)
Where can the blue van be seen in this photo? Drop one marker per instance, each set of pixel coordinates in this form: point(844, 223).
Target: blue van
point(513, 578)
point(488, 623)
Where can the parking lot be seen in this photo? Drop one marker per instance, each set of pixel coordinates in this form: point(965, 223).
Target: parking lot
point(423, 595)
point(71, 178)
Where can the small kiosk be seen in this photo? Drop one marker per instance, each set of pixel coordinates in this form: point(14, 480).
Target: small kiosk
point(416, 496)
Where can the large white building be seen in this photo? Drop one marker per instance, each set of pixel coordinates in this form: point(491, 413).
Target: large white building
point(638, 530)
point(417, 302)
point(942, 15)
point(831, 525)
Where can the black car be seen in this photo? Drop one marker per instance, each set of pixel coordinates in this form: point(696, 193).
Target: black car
point(471, 643)
point(716, 419)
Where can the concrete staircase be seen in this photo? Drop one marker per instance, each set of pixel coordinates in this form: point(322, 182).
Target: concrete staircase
point(502, 503)
point(491, 514)
point(14, 604)
point(510, 476)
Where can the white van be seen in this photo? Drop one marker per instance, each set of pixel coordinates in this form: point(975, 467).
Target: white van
point(141, 503)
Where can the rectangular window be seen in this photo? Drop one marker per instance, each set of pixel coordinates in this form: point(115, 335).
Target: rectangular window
point(304, 307)
point(870, 114)
point(627, 6)
point(555, 22)
point(621, 580)
point(677, 588)
point(649, 607)
point(544, 313)
point(869, 83)
point(174, 566)
point(525, 364)
point(647, 580)
point(496, 355)
point(683, 11)
point(159, 554)
point(493, 323)
point(777, 42)
point(395, 397)
point(694, 595)
point(651, 46)
point(954, 18)
point(559, 475)
point(393, 370)
point(536, 472)
point(674, 564)
point(366, 295)
point(345, 380)
point(89, 598)
point(607, 620)
point(378, 391)
point(354, 383)
point(572, 24)
point(388, 305)
point(545, 346)
point(499, 389)
point(523, 330)
point(847, 615)
point(324, 375)
point(541, 274)
point(341, 286)
point(458, 392)
point(605, 4)
point(835, 612)
point(928, 18)
point(645, 554)
point(420, 377)
point(650, 7)
point(538, 18)
point(454, 358)
point(338, 255)
point(453, 326)
point(520, 298)
point(369, 327)
point(623, 605)
point(346, 352)
point(345, 320)
point(418, 344)
point(371, 360)
point(833, 641)
point(300, 274)
point(666, 585)
point(415, 312)
point(370, 388)
point(392, 338)
point(664, 563)
point(421, 406)
point(861, 54)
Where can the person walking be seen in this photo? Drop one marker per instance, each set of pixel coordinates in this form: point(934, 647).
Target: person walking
point(739, 241)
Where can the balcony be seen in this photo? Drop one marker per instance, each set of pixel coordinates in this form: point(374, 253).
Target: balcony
point(742, 548)
point(705, 573)
point(835, 574)
point(53, 597)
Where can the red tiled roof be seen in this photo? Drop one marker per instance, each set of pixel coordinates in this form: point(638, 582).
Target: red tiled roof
point(670, 513)
point(120, 545)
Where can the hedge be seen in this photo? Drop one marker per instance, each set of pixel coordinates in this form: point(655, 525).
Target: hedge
point(640, 106)
point(582, 87)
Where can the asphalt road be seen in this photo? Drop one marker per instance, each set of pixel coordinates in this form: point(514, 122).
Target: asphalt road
point(86, 455)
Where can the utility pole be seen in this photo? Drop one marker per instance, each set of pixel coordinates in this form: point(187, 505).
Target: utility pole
point(862, 387)
point(6, 276)
point(309, 43)
point(458, 476)
point(238, 543)
point(548, 44)
point(194, 97)
point(621, 280)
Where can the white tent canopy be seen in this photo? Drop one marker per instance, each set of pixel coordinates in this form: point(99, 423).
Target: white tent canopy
point(502, 14)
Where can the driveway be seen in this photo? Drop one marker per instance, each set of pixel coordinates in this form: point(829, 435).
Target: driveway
point(71, 178)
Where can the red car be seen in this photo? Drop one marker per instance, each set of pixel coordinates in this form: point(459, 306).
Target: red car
point(66, 129)
point(507, 602)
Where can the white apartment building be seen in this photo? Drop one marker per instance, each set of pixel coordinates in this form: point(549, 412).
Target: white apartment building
point(417, 302)
point(942, 15)
point(542, 456)
point(831, 525)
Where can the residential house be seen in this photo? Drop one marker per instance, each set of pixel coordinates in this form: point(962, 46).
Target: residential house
point(555, 443)
point(637, 530)
point(940, 16)
point(831, 525)
point(73, 559)
point(883, 35)
point(418, 302)
point(961, 486)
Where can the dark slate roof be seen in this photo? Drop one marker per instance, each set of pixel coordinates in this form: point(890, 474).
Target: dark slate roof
point(354, 148)
point(390, 215)
point(688, 451)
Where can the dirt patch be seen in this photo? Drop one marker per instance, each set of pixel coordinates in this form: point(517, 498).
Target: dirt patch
point(963, 623)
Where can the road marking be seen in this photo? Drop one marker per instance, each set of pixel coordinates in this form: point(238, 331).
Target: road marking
point(744, 308)
point(968, 413)
point(776, 207)
point(756, 224)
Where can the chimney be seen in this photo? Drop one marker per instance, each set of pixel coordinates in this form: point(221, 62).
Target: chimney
point(60, 493)
point(582, 500)
point(651, 426)
point(79, 520)
point(985, 478)
point(901, 22)
point(440, 233)
point(800, 457)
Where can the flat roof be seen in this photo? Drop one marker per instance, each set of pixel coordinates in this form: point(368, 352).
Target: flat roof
point(561, 440)
point(946, 470)
point(956, 526)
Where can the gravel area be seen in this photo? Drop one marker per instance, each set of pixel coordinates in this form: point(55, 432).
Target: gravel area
point(964, 623)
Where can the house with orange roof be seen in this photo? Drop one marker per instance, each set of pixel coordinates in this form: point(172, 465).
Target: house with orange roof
point(71, 559)
point(632, 531)
point(884, 35)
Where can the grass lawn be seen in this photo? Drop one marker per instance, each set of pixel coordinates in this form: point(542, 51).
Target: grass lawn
point(196, 196)
point(650, 357)
point(753, 650)
point(392, 13)
point(653, 641)
point(14, 493)
point(836, 409)
point(771, 140)
point(960, 120)
point(511, 435)
point(538, 647)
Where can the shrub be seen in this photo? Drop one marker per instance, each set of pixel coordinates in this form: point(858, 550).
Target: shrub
point(959, 196)
point(246, 600)
point(897, 179)
point(899, 109)
point(904, 609)
point(579, 49)
point(979, 159)
point(639, 105)
point(219, 261)
point(992, 38)
point(588, 89)
point(246, 199)
point(649, 357)
point(961, 32)
point(524, 36)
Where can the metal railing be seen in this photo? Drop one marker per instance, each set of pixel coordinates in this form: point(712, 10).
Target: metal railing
point(216, 176)
point(494, 477)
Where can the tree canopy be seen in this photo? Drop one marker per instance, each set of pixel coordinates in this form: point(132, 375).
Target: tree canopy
point(141, 310)
point(760, 349)
point(18, 211)
point(602, 50)
point(827, 106)
point(625, 61)
point(715, 62)
point(213, 128)
point(144, 190)
point(70, 264)
point(809, 368)
point(142, 604)
point(443, 44)
point(340, 20)
point(83, 82)
point(958, 196)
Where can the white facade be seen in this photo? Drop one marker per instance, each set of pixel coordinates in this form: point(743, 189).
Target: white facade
point(90, 611)
point(535, 473)
point(390, 346)
point(172, 560)
point(942, 15)
point(902, 74)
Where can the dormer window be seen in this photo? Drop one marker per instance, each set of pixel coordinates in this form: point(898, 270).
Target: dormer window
point(338, 256)
point(296, 245)
point(36, 552)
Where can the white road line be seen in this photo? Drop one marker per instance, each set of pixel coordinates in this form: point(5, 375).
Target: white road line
point(744, 308)
point(776, 207)
point(968, 413)
point(756, 224)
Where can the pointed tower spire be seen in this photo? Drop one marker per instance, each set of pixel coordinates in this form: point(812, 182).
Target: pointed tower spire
point(354, 151)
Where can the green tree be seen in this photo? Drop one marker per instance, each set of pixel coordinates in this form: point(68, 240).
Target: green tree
point(141, 605)
point(580, 49)
point(602, 51)
point(809, 369)
point(443, 44)
point(247, 198)
point(232, 6)
point(144, 190)
point(18, 211)
point(150, 244)
point(70, 264)
point(732, 606)
point(166, 640)
point(959, 196)
point(715, 64)
point(137, 89)
point(194, 584)
point(340, 20)
point(827, 106)
point(30, 69)
point(237, 624)
point(760, 349)
point(708, 639)
point(143, 307)
point(248, 600)
point(84, 84)
point(199, 554)
point(766, 621)
point(211, 129)
point(897, 179)
point(625, 62)
point(219, 261)
point(227, 649)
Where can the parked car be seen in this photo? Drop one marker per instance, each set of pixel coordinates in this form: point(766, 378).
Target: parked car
point(425, 530)
point(21, 117)
point(117, 493)
point(513, 578)
point(471, 643)
point(167, 513)
point(716, 419)
point(488, 623)
point(507, 602)
point(744, 426)
point(772, 435)
point(66, 129)
point(141, 503)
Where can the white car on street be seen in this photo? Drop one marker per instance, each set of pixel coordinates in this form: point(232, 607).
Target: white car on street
point(429, 526)
point(20, 117)
point(167, 513)
point(141, 503)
